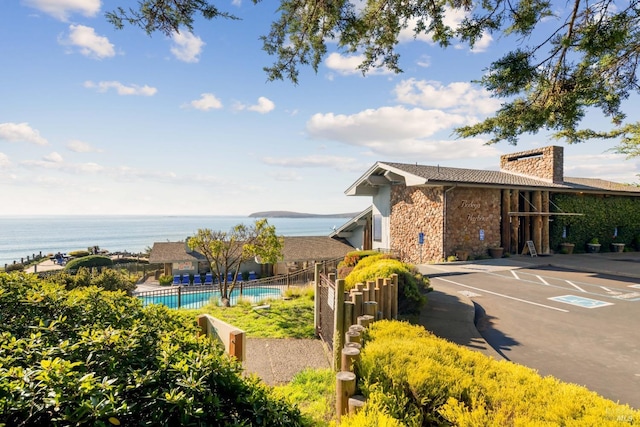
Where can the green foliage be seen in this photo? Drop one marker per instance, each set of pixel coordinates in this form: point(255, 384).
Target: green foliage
point(79, 253)
point(411, 284)
point(283, 319)
point(165, 280)
point(419, 379)
point(89, 262)
point(352, 258)
point(313, 391)
point(90, 357)
point(601, 216)
point(108, 279)
point(226, 251)
point(14, 267)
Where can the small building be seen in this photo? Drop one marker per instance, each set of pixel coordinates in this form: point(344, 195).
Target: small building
point(303, 251)
point(178, 258)
point(428, 213)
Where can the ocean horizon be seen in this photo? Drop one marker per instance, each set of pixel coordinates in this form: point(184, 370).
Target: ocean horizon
point(22, 236)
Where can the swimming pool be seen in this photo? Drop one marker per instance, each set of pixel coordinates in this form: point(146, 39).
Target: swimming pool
point(195, 299)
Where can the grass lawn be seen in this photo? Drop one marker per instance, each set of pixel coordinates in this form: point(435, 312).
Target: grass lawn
point(285, 318)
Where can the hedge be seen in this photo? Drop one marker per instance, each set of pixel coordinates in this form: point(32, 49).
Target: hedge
point(89, 262)
point(419, 379)
point(411, 284)
point(93, 357)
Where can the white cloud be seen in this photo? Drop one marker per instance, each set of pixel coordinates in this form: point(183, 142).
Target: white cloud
point(4, 161)
point(61, 9)
point(80, 147)
point(53, 157)
point(207, 101)
point(397, 132)
point(89, 43)
point(263, 106)
point(483, 43)
point(456, 96)
point(348, 65)
point(287, 176)
point(14, 132)
point(121, 89)
point(609, 166)
point(315, 161)
point(186, 46)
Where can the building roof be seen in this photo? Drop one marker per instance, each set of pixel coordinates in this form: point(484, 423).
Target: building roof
point(386, 173)
point(354, 223)
point(168, 252)
point(314, 248)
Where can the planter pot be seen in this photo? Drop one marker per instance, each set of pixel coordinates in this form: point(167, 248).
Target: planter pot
point(496, 252)
point(566, 248)
point(617, 247)
point(462, 255)
point(593, 248)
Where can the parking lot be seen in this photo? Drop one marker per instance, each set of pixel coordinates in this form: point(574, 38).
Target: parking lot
point(559, 315)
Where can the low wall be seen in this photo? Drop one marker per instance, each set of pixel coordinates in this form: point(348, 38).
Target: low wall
point(233, 339)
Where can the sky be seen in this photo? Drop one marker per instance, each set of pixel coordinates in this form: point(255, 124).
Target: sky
point(95, 120)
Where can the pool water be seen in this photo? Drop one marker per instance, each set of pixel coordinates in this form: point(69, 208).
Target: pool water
point(199, 299)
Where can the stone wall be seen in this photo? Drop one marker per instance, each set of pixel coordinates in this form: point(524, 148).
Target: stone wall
point(416, 210)
point(545, 163)
point(470, 213)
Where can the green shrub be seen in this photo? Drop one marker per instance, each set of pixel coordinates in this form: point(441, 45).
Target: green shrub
point(79, 253)
point(109, 279)
point(130, 260)
point(419, 379)
point(89, 262)
point(352, 258)
point(411, 284)
point(91, 357)
point(165, 280)
point(14, 267)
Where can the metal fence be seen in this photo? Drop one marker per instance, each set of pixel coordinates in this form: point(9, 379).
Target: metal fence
point(325, 327)
point(196, 296)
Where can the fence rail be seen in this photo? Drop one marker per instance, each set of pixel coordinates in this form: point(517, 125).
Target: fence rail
point(196, 296)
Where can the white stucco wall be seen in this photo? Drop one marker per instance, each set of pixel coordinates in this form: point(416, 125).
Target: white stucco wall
point(382, 206)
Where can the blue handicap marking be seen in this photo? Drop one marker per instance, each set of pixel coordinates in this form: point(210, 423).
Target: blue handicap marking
point(581, 301)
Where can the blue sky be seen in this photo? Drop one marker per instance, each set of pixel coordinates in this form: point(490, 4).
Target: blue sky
point(95, 120)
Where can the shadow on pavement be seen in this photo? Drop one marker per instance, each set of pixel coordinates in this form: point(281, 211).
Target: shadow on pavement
point(495, 338)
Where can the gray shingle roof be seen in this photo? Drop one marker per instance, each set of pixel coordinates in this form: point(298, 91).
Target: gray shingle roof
point(167, 252)
point(313, 248)
point(438, 174)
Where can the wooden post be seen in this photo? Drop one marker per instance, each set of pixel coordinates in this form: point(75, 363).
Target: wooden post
point(338, 321)
point(353, 336)
point(316, 300)
point(380, 296)
point(359, 287)
point(236, 345)
point(544, 246)
point(371, 309)
point(515, 224)
point(345, 388)
point(348, 315)
point(354, 345)
point(356, 298)
point(203, 323)
point(350, 356)
point(356, 403)
point(387, 298)
point(394, 296)
point(537, 220)
point(365, 320)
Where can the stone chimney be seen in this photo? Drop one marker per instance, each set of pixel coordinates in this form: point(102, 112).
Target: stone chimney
point(545, 163)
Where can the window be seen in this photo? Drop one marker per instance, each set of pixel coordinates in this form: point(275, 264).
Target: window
point(377, 228)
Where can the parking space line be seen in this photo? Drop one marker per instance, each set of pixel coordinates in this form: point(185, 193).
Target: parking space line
point(513, 272)
point(575, 286)
point(501, 295)
point(544, 282)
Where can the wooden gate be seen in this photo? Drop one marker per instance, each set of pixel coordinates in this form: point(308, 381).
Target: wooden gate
point(325, 308)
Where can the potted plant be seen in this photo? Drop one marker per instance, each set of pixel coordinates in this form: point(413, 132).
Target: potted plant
point(462, 255)
point(496, 252)
point(593, 246)
point(617, 246)
point(566, 247)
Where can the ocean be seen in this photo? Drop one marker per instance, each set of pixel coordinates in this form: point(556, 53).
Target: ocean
point(22, 236)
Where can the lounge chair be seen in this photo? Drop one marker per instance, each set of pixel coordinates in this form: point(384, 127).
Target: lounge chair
point(253, 275)
point(197, 279)
point(176, 279)
point(229, 277)
point(208, 279)
point(185, 280)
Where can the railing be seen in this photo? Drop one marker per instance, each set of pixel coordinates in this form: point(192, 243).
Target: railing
point(196, 296)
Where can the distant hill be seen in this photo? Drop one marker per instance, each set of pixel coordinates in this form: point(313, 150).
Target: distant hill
point(287, 214)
